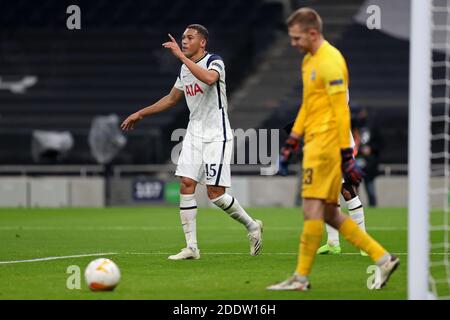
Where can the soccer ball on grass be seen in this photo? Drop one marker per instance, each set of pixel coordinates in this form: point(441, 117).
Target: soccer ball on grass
point(102, 275)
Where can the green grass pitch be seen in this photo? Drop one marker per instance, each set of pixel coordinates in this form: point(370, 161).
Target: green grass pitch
point(140, 239)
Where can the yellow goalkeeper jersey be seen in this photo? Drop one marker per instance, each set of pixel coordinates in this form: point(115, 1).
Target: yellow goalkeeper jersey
point(324, 73)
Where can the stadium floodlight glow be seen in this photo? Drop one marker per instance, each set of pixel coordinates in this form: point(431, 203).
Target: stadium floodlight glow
point(419, 149)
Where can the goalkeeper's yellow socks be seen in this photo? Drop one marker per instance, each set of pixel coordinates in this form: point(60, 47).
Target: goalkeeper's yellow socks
point(356, 212)
point(352, 233)
point(309, 243)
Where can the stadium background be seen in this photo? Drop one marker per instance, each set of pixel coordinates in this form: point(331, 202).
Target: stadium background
point(56, 82)
point(115, 65)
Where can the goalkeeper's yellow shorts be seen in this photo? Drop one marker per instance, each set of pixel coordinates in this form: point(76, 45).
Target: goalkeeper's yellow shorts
point(321, 168)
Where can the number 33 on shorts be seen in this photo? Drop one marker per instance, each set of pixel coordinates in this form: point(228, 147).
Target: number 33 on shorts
point(307, 174)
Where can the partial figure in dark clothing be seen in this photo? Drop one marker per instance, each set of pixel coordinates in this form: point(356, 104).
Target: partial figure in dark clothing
point(368, 141)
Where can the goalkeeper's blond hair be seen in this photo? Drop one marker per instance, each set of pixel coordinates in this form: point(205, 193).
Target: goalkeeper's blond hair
point(307, 18)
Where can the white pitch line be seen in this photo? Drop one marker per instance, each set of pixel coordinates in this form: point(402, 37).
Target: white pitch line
point(169, 253)
point(84, 228)
point(263, 253)
point(59, 258)
point(139, 228)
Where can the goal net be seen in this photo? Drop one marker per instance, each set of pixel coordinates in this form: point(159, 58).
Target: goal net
point(429, 154)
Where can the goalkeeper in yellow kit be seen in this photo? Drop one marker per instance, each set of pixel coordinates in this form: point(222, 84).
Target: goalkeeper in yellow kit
point(324, 123)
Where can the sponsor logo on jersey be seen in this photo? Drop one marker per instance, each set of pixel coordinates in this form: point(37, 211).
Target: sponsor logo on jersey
point(313, 75)
point(192, 90)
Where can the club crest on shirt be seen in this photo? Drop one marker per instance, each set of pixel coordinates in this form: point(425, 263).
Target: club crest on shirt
point(313, 75)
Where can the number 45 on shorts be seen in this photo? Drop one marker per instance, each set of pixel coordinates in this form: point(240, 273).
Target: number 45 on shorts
point(211, 170)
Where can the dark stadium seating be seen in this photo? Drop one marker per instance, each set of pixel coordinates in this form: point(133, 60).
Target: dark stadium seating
point(114, 64)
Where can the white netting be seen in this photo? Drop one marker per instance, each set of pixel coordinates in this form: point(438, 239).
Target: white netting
point(439, 273)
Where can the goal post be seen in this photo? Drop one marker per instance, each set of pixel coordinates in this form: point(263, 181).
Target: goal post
point(419, 148)
point(429, 151)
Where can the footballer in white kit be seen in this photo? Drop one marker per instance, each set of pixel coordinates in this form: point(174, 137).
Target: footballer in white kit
point(208, 144)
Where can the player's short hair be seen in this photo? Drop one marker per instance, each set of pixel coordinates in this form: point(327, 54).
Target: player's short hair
point(200, 29)
point(307, 18)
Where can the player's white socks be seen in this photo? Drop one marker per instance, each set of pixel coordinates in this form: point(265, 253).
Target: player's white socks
point(231, 206)
point(356, 212)
point(333, 236)
point(188, 213)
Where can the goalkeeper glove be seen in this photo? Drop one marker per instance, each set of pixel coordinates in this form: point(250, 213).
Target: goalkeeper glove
point(290, 146)
point(350, 169)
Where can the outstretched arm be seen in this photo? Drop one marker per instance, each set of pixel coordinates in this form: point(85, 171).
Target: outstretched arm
point(163, 104)
point(206, 76)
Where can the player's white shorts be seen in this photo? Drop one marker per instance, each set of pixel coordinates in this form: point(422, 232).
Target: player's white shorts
point(205, 162)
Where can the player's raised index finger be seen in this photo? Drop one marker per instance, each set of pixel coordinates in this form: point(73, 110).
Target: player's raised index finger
point(172, 38)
